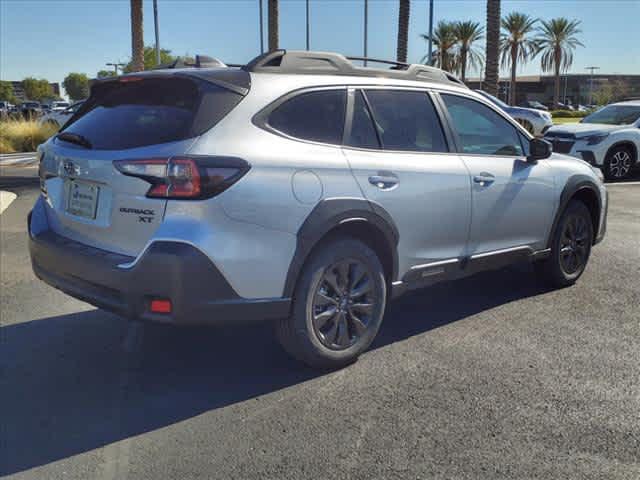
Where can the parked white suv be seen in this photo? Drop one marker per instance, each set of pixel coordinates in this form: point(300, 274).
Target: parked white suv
point(608, 138)
point(300, 189)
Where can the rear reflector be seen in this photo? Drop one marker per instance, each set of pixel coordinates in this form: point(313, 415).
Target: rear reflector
point(160, 306)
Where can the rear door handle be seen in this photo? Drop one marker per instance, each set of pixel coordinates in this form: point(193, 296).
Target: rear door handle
point(384, 182)
point(484, 178)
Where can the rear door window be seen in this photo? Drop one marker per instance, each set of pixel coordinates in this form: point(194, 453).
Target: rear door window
point(317, 116)
point(480, 130)
point(121, 115)
point(406, 120)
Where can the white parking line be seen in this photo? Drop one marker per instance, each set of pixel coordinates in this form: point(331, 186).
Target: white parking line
point(621, 184)
point(5, 199)
point(17, 158)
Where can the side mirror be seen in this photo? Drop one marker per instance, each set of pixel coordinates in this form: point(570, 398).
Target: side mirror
point(539, 149)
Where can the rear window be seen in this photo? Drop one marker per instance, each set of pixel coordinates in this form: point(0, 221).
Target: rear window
point(150, 111)
point(316, 116)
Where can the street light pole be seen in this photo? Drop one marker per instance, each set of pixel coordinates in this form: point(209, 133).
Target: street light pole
point(591, 70)
point(115, 66)
point(155, 24)
point(430, 49)
point(261, 28)
point(307, 15)
point(366, 22)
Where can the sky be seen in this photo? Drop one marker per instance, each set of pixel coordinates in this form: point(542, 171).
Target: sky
point(50, 38)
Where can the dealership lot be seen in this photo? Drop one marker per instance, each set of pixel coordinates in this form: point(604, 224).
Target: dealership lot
point(489, 377)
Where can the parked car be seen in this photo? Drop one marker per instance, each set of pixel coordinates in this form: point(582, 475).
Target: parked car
point(535, 105)
point(217, 195)
point(5, 109)
point(608, 138)
point(59, 117)
point(535, 121)
point(59, 105)
point(30, 110)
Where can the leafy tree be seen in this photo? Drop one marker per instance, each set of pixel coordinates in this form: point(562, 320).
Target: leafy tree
point(467, 33)
point(493, 47)
point(105, 74)
point(6, 92)
point(37, 89)
point(556, 41)
point(516, 46)
point(77, 86)
point(444, 39)
point(149, 55)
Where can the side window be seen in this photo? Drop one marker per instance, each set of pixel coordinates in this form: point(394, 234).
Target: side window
point(363, 133)
point(481, 130)
point(406, 120)
point(316, 116)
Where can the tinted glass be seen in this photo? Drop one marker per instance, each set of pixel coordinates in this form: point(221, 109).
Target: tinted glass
point(481, 130)
point(406, 120)
point(151, 111)
point(614, 115)
point(316, 116)
point(363, 133)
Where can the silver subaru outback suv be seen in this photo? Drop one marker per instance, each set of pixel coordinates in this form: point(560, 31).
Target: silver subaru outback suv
point(301, 189)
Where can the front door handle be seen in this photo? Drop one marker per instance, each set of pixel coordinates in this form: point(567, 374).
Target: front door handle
point(384, 181)
point(484, 179)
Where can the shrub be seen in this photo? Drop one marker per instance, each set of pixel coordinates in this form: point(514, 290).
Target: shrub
point(23, 135)
point(568, 114)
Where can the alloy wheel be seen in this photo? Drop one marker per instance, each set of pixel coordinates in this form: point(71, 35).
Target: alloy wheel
point(574, 244)
point(343, 304)
point(620, 164)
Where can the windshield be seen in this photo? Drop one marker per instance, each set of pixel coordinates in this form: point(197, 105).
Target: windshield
point(495, 100)
point(615, 115)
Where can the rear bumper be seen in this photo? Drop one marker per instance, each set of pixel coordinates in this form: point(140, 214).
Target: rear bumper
point(199, 293)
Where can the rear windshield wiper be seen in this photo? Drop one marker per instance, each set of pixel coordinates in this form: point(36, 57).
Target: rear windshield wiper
point(74, 138)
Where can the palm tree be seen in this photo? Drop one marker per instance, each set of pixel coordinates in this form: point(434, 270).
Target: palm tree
point(557, 41)
point(137, 40)
point(403, 30)
point(467, 33)
point(273, 24)
point(492, 47)
point(444, 40)
point(515, 45)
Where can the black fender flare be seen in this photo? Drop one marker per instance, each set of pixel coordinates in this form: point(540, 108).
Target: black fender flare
point(574, 184)
point(331, 213)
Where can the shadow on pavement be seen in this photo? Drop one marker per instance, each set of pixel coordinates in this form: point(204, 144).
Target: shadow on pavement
point(76, 382)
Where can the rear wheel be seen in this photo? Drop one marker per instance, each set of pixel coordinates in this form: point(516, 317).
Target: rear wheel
point(338, 305)
point(570, 247)
point(618, 163)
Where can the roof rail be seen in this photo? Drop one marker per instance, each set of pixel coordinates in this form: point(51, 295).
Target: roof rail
point(329, 63)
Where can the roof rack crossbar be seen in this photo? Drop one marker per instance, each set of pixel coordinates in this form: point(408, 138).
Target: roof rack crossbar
point(328, 63)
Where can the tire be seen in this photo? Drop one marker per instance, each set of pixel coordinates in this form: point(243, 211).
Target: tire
point(570, 247)
point(330, 326)
point(618, 163)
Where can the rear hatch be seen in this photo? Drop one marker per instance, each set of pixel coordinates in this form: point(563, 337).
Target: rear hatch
point(152, 117)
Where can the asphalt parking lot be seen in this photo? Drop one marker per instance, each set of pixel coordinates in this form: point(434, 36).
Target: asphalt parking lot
point(490, 377)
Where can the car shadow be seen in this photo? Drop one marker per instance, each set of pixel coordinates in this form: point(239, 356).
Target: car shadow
point(73, 383)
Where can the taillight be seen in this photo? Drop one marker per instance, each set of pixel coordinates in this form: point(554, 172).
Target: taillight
point(187, 177)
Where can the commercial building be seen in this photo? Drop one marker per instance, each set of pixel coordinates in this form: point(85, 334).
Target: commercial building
point(574, 88)
point(18, 90)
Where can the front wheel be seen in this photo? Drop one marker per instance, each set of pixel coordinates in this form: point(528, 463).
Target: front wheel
point(618, 163)
point(570, 247)
point(338, 305)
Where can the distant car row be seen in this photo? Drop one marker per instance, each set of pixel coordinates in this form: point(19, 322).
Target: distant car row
point(29, 109)
point(59, 117)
